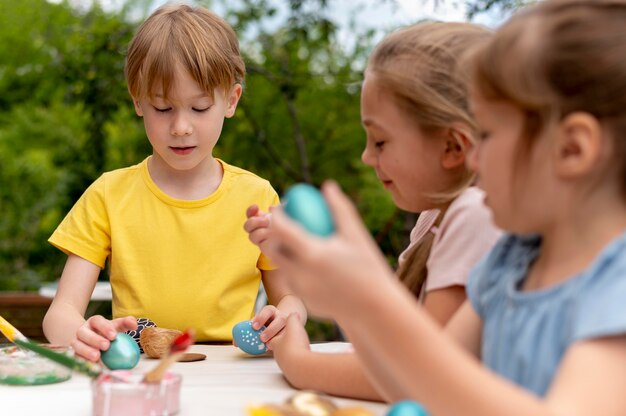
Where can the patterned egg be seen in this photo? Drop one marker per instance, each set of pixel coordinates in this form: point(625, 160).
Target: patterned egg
point(407, 408)
point(306, 205)
point(248, 339)
point(142, 323)
point(123, 354)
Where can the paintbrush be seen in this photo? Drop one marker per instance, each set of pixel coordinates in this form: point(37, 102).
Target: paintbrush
point(75, 363)
point(177, 348)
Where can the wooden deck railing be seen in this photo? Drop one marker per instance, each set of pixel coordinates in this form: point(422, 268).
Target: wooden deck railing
point(25, 311)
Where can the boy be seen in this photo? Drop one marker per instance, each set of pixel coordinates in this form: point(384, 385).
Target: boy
point(171, 226)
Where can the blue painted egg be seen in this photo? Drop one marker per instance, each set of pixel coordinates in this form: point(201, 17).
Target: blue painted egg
point(248, 339)
point(407, 408)
point(306, 205)
point(123, 354)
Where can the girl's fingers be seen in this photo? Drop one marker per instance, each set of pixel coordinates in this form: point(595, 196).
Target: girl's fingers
point(345, 215)
point(291, 235)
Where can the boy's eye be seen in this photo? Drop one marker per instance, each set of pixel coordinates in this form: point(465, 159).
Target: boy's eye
point(379, 144)
point(162, 110)
point(200, 110)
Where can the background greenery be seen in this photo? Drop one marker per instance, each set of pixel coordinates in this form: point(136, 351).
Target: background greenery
point(65, 115)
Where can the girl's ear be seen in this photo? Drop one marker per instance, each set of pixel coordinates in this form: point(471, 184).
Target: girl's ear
point(578, 146)
point(457, 144)
point(233, 98)
point(138, 108)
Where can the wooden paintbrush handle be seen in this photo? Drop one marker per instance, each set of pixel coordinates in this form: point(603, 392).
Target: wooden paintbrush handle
point(156, 374)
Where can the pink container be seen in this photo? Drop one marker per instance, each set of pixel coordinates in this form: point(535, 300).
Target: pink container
point(125, 393)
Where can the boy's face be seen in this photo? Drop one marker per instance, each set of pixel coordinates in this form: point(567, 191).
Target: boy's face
point(184, 129)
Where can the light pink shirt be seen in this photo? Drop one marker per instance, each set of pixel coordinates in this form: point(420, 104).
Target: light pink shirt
point(466, 233)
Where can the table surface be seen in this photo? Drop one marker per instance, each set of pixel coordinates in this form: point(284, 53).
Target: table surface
point(101, 292)
point(224, 384)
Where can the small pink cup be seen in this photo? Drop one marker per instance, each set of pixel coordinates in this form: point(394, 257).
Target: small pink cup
point(121, 393)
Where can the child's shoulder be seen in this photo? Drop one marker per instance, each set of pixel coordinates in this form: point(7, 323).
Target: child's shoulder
point(469, 214)
point(120, 176)
point(600, 307)
point(470, 200)
point(241, 178)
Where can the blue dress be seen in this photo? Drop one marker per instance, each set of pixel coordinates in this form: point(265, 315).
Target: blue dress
point(525, 334)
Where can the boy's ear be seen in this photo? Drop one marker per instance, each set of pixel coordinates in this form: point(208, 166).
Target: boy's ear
point(579, 145)
point(233, 98)
point(457, 144)
point(138, 108)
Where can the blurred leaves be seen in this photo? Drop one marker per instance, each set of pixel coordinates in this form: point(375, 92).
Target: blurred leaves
point(66, 117)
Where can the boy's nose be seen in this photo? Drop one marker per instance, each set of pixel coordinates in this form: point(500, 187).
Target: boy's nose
point(180, 126)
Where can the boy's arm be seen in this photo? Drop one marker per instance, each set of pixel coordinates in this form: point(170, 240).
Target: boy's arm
point(279, 294)
point(339, 374)
point(64, 322)
point(66, 313)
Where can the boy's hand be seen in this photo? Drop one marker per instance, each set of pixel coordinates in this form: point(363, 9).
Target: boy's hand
point(292, 338)
point(274, 321)
point(96, 334)
point(257, 226)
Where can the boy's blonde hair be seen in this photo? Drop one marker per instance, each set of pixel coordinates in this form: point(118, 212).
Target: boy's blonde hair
point(193, 38)
point(419, 67)
point(556, 58)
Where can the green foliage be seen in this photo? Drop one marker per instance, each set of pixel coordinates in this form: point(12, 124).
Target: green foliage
point(66, 117)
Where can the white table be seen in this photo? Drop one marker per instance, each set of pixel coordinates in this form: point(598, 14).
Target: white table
point(223, 385)
point(102, 291)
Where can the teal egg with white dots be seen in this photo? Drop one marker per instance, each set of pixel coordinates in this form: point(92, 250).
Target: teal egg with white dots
point(407, 408)
point(123, 353)
point(247, 338)
point(306, 205)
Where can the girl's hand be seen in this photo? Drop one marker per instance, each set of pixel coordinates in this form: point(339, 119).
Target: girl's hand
point(274, 321)
point(257, 226)
point(96, 334)
point(331, 274)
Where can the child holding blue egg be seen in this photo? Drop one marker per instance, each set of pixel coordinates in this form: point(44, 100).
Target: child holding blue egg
point(171, 226)
point(544, 328)
point(415, 112)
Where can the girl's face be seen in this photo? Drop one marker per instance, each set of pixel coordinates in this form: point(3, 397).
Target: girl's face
point(406, 161)
point(184, 129)
point(515, 197)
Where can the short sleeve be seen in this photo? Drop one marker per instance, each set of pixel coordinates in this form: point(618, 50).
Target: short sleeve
point(464, 236)
point(85, 231)
point(601, 310)
point(484, 281)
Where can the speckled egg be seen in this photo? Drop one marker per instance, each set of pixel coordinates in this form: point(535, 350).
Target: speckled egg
point(306, 205)
point(407, 408)
point(248, 339)
point(123, 354)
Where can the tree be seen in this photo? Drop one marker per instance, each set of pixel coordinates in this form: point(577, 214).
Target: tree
point(65, 114)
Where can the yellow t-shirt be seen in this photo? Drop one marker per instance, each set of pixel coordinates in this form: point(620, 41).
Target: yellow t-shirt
point(179, 263)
